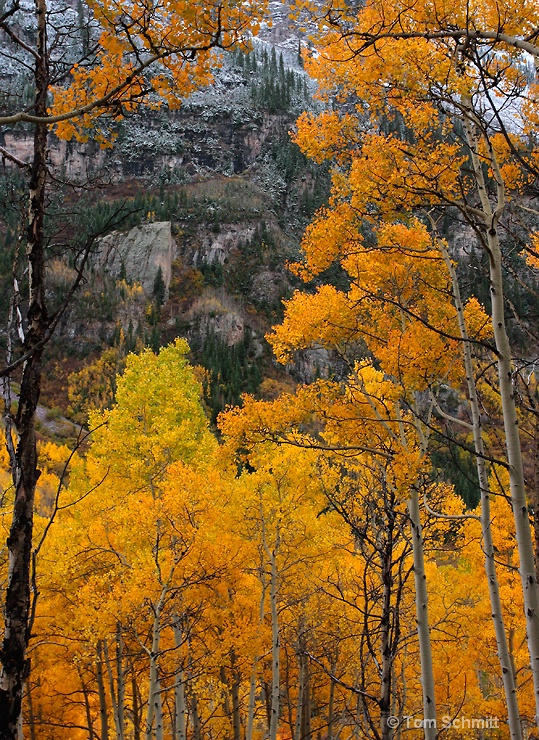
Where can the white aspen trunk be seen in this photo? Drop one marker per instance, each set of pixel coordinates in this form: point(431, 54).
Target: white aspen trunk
point(510, 420)
point(159, 727)
point(275, 649)
point(252, 699)
point(154, 710)
point(429, 720)
point(112, 691)
point(516, 473)
point(252, 682)
point(251, 704)
point(422, 617)
point(535, 497)
point(180, 705)
point(508, 675)
point(150, 712)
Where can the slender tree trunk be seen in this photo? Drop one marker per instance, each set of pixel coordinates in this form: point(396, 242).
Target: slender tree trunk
point(112, 688)
point(153, 688)
point(103, 710)
point(180, 706)
point(536, 496)
point(275, 650)
point(13, 658)
point(507, 392)
point(235, 696)
point(197, 727)
point(226, 694)
point(385, 629)
point(236, 709)
point(88, 711)
point(116, 689)
point(422, 617)
point(252, 682)
point(193, 700)
point(516, 473)
point(299, 703)
point(331, 706)
point(136, 707)
point(251, 704)
point(306, 708)
point(285, 682)
point(159, 721)
point(508, 676)
point(120, 673)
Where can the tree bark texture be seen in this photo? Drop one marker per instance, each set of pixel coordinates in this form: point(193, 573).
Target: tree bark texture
point(508, 676)
point(13, 653)
point(491, 217)
point(422, 617)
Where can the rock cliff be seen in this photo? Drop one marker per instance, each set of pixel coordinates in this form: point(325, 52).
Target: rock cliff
point(139, 254)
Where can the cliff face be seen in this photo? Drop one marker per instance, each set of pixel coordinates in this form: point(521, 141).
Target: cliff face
point(139, 255)
point(223, 128)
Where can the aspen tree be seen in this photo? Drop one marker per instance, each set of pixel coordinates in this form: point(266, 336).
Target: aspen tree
point(415, 78)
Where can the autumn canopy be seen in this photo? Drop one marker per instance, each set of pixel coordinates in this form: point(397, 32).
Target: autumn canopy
point(311, 565)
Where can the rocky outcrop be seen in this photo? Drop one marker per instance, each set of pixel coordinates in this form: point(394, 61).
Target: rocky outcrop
point(67, 159)
point(312, 363)
point(215, 248)
point(139, 254)
point(217, 314)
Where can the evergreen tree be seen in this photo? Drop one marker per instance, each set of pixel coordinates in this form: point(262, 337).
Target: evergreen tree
point(159, 288)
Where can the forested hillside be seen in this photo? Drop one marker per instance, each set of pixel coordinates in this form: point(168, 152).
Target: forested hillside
point(269, 326)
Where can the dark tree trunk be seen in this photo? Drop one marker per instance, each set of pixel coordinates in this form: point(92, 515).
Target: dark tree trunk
point(13, 653)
